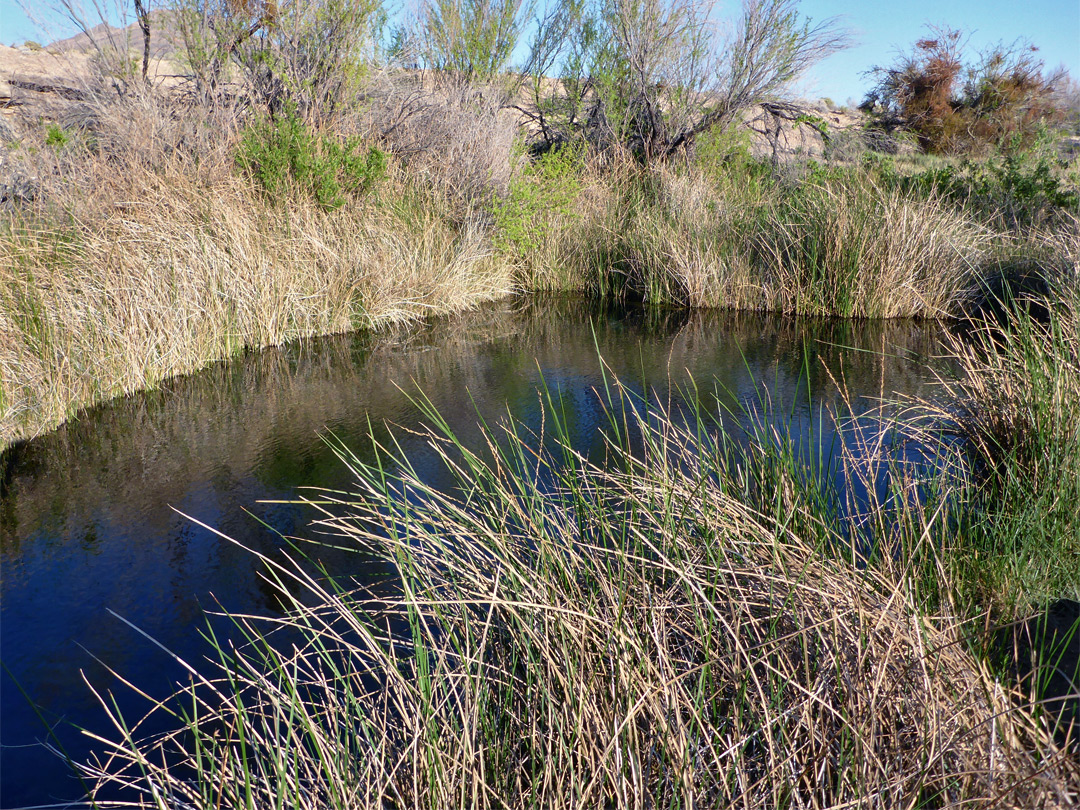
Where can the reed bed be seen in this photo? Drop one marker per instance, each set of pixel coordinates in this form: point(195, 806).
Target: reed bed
point(183, 272)
point(839, 246)
point(1018, 400)
point(855, 248)
point(657, 630)
point(1012, 412)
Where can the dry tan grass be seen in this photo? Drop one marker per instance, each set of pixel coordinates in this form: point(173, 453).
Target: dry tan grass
point(874, 252)
point(849, 247)
point(634, 636)
point(461, 140)
point(702, 242)
point(180, 273)
point(141, 254)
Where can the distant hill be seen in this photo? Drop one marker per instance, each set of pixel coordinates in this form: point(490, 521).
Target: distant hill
point(164, 38)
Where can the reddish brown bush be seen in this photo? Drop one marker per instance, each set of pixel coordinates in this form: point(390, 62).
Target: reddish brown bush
point(1000, 100)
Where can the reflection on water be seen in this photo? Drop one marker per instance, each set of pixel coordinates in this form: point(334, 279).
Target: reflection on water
point(89, 515)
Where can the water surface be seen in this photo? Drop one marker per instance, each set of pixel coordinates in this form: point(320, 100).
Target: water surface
point(90, 515)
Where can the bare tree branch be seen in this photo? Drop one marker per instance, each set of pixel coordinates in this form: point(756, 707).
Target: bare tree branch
point(659, 71)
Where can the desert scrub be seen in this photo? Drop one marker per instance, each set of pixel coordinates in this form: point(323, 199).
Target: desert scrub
point(561, 634)
point(284, 152)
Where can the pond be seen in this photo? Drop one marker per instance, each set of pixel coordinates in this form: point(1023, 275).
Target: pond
point(90, 515)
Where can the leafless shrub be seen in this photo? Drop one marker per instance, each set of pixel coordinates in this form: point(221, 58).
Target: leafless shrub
point(1067, 99)
point(119, 45)
point(308, 54)
point(461, 139)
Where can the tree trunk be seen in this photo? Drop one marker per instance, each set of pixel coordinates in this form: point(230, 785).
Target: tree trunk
point(143, 13)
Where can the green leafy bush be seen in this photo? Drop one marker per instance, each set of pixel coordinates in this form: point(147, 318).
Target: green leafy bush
point(1018, 189)
point(724, 153)
point(285, 152)
point(546, 189)
point(56, 136)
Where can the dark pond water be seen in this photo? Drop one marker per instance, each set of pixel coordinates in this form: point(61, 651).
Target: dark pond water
point(87, 515)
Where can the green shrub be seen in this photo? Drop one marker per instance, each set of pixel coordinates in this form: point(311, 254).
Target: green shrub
point(285, 152)
point(723, 152)
point(881, 167)
point(56, 136)
point(1020, 189)
point(547, 189)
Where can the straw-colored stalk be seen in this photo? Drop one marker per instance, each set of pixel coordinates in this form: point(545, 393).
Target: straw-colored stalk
point(562, 635)
point(183, 273)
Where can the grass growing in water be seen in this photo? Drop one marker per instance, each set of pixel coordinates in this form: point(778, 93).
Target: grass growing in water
point(1016, 407)
point(661, 629)
point(191, 271)
point(250, 234)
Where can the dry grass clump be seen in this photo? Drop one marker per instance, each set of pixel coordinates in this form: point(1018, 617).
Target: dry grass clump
point(137, 252)
point(687, 240)
point(461, 140)
point(845, 246)
point(88, 160)
point(663, 236)
point(855, 248)
point(563, 635)
point(1056, 251)
point(181, 271)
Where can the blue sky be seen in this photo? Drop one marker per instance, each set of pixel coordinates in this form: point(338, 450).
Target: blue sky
point(878, 29)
